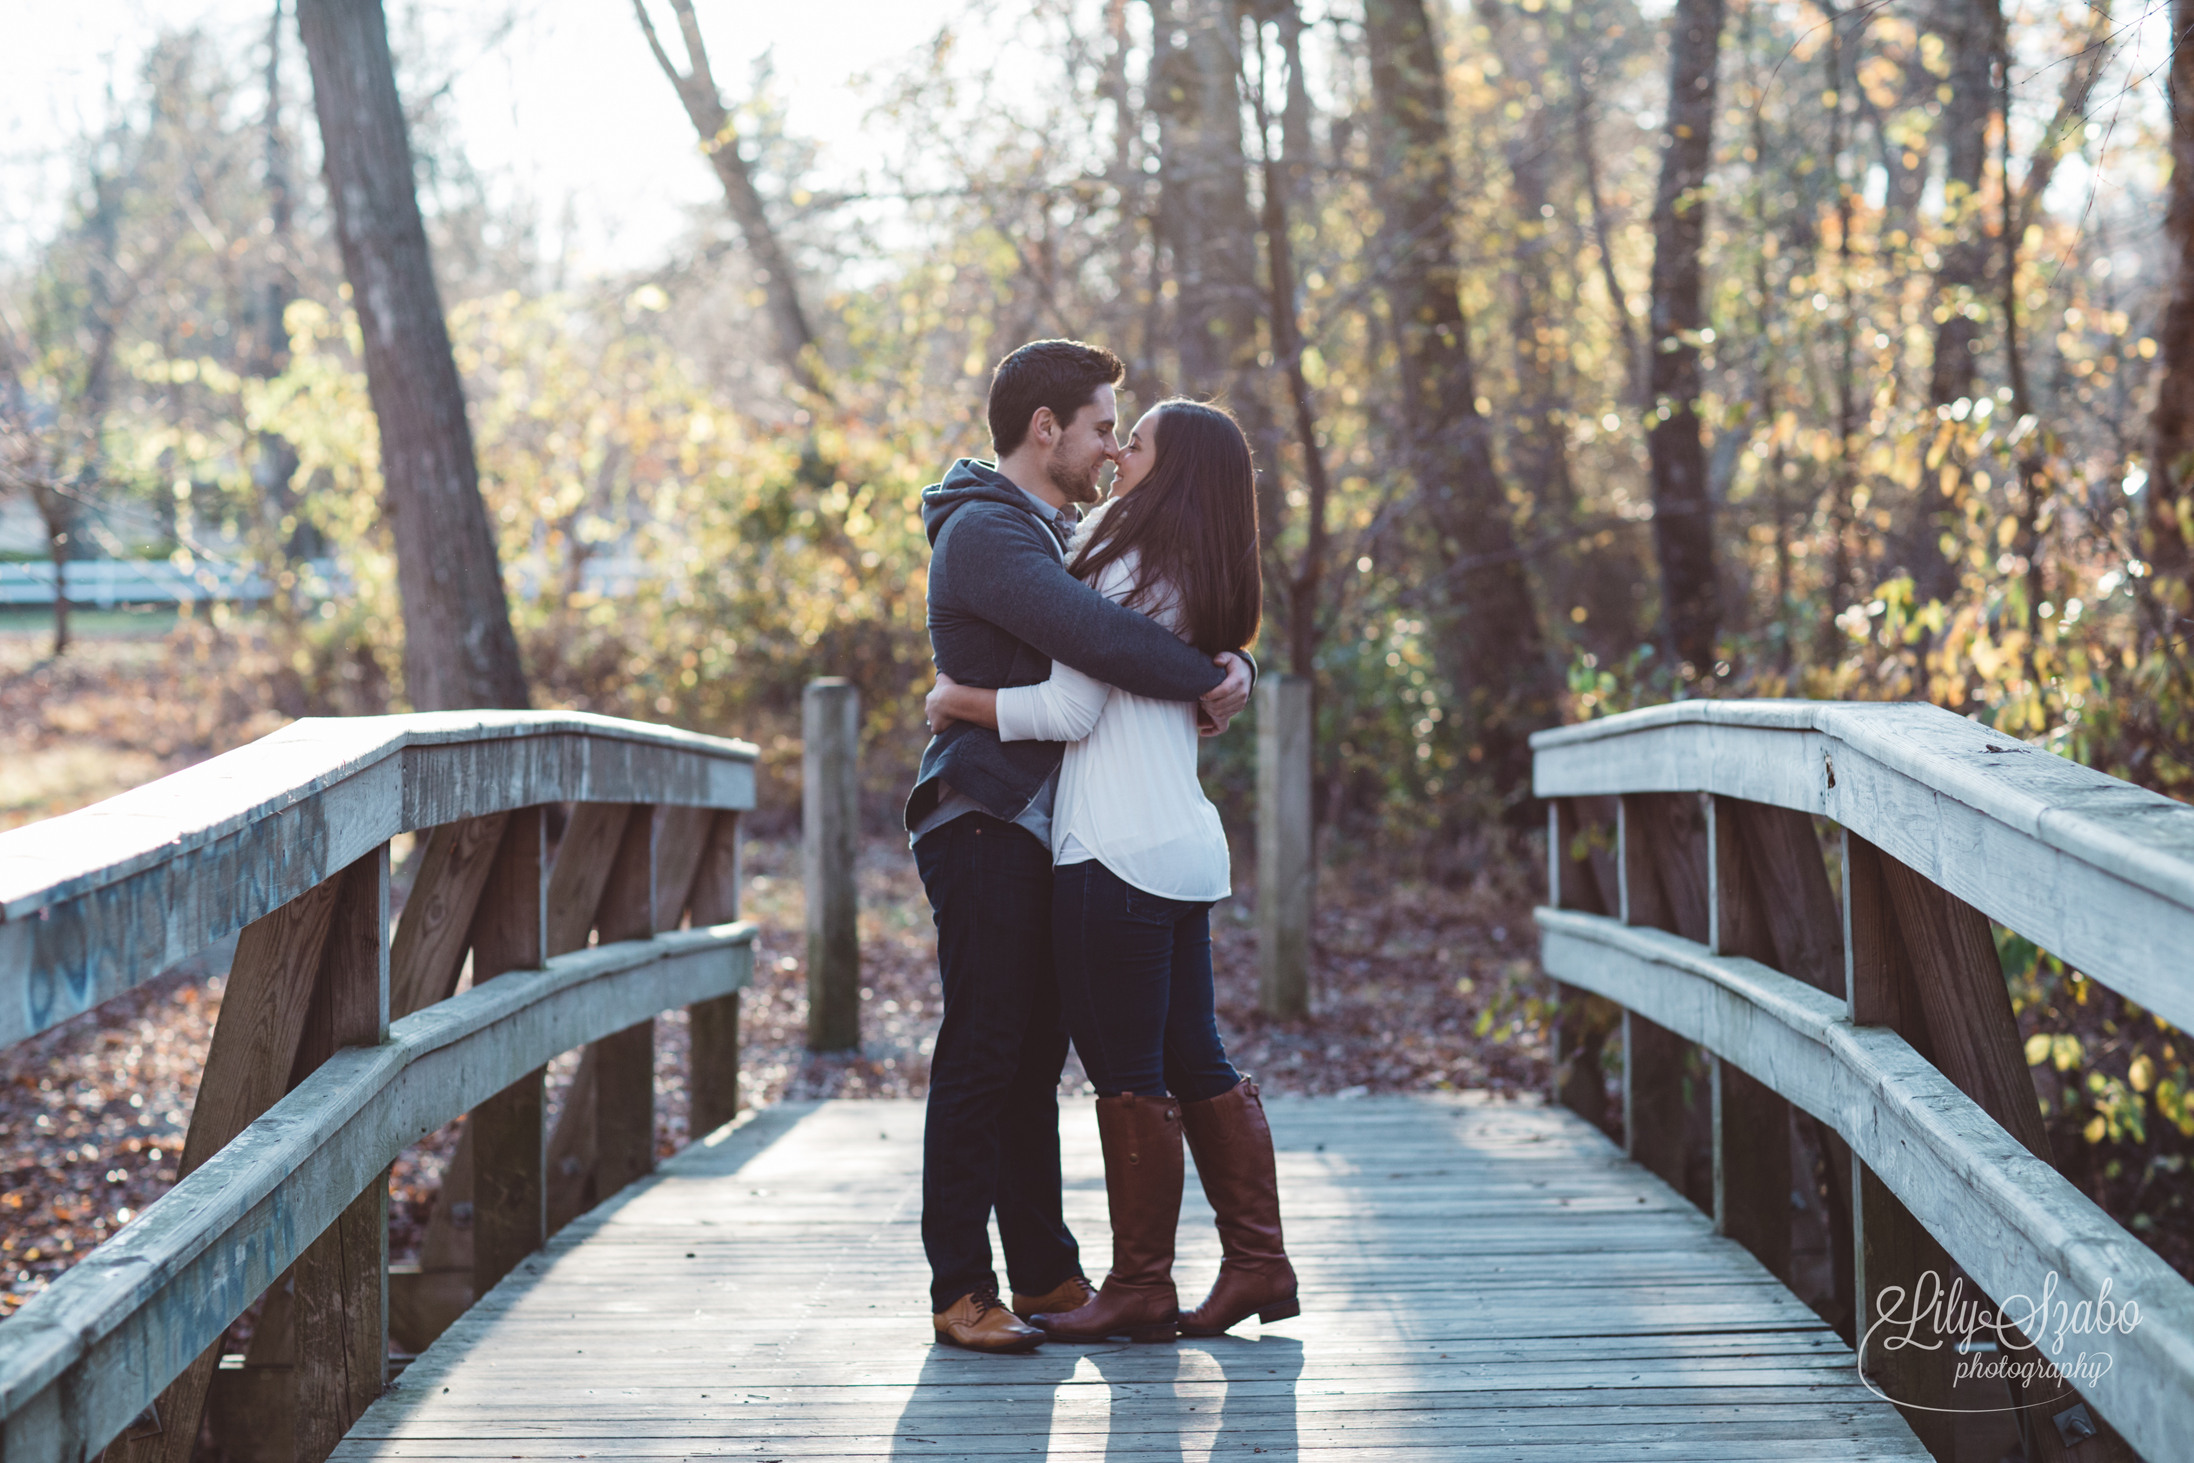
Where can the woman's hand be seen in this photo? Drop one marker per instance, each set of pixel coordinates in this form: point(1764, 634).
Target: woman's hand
point(933, 705)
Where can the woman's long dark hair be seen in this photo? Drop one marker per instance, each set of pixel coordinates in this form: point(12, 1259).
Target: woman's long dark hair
point(1192, 522)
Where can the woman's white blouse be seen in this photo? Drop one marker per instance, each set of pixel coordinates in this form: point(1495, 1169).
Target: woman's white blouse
point(1128, 792)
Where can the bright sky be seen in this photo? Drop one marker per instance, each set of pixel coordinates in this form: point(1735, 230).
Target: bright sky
point(568, 103)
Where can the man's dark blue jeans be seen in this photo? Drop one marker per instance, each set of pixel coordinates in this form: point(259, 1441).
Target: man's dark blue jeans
point(992, 1134)
point(1135, 981)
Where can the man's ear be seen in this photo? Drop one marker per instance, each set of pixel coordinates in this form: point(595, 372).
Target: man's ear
point(1044, 426)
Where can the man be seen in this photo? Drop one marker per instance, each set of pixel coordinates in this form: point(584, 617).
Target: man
point(1001, 606)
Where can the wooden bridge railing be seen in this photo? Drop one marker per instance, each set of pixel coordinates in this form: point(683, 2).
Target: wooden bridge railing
point(1690, 889)
point(338, 1047)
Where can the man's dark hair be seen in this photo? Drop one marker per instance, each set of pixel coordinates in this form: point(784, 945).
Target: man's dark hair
point(1061, 374)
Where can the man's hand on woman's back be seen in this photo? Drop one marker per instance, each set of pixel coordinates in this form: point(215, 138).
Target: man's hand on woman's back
point(1223, 702)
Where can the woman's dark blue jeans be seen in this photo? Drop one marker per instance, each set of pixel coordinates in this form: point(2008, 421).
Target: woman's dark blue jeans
point(1135, 987)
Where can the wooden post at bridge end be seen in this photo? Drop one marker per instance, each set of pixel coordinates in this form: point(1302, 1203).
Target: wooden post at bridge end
point(831, 813)
point(1286, 865)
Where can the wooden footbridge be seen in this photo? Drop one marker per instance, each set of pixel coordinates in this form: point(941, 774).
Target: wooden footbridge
point(1773, 917)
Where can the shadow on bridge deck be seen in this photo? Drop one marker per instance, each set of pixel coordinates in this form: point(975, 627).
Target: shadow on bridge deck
point(1481, 1279)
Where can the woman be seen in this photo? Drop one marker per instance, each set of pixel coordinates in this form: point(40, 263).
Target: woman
point(1139, 858)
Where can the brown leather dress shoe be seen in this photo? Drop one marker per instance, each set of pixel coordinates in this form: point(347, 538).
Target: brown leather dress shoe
point(979, 1321)
point(1069, 1294)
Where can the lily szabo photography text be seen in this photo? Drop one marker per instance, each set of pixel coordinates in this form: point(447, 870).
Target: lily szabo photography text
point(1182, 728)
point(2048, 1337)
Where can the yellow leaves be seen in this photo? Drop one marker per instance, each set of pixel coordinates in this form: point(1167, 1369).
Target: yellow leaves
point(2175, 1102)
point(2142, 1073)
point(1881, 79)
point(2120, 1112)
point(2061, 1050)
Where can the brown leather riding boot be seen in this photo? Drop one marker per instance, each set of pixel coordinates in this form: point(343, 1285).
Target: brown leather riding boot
point(1143, 1173)
point(1233, 1148)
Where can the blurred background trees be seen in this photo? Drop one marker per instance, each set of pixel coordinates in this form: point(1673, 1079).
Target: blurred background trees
point(1592, 355)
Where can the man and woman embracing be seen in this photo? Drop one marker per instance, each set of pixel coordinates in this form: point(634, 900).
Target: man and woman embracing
point(1072, 859)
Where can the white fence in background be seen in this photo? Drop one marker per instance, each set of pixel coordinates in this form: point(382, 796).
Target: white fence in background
point(105, 583)
point(616, 573)
point(108, 582)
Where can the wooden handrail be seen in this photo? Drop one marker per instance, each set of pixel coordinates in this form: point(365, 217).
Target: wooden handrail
point(338, 1047)
point(97, 901)
point(1703, 909)
point(2098, 872)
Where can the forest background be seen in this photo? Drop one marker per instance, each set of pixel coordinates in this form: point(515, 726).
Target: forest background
point(1593, 354)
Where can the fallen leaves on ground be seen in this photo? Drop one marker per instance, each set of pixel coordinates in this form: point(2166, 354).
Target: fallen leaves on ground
point(121, 709)
point(92, 1116)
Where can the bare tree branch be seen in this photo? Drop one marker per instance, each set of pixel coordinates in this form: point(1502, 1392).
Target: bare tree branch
point(696, 88)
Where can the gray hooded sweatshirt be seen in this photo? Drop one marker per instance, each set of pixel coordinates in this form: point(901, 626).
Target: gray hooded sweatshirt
point(1002, 606)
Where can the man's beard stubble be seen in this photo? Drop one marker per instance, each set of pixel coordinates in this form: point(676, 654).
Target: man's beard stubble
point(1075, 489)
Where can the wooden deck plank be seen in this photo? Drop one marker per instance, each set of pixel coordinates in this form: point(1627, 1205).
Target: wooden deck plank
point(1479, 1279)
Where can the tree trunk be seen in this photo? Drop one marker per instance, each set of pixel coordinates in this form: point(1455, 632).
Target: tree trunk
point(56, 511)
point(459, 651)
point(1488, 635)
point(1842, 507)
point(2168, 524)
point(1208, 227)
point(1906, 168)
point(704, 105)
point(1769, 372)
point(1683, 516)
point(1538, 453)
point(61, 496)
point(275, 468)
point(1135, 219)
point(1284, 178)
point(2037, 483)
point(1970, 28)
point(1581, 75)
point(1296, 154)
point(1205, 209)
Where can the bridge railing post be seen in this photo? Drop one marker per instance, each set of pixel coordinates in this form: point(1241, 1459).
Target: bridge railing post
point(509, 1131)
point(1652, 857)
point(1889, 1246)
point(1751, 1121)
point(624, 1083)
point(831, 809)
point(1580, 875)
point(1286, 871)
point(712, 1079)
point(307, 979)
point(340, 1311)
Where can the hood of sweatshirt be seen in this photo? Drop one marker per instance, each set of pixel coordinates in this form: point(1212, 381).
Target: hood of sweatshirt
point(968, 481)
